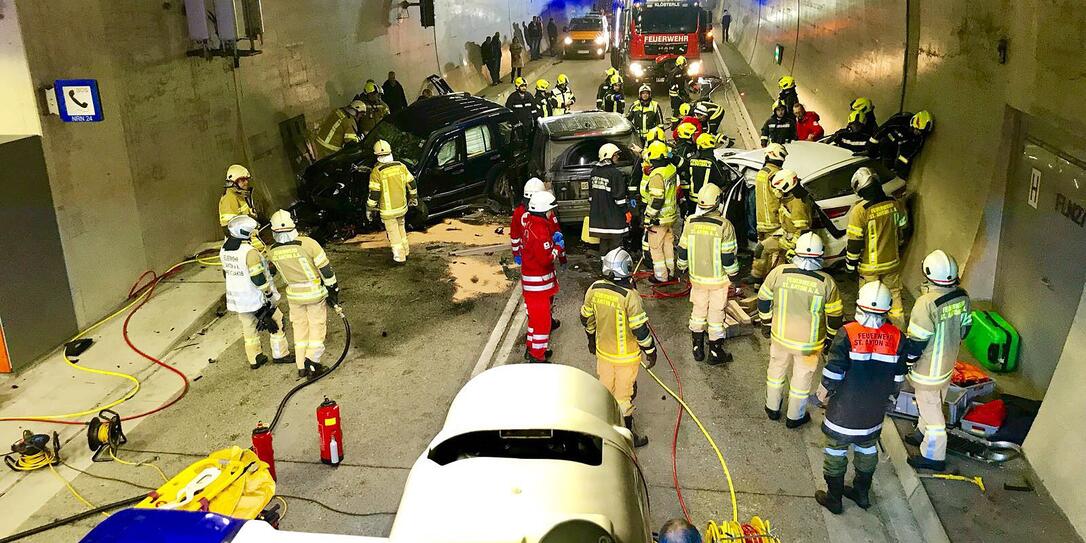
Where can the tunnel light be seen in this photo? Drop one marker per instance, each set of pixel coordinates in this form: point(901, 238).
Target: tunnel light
point(568, 40)
point(778, 54)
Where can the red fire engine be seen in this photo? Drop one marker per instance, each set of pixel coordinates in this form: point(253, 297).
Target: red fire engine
point(655, 33)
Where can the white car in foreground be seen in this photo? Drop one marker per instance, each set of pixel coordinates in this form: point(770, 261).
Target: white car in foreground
point(826, 172)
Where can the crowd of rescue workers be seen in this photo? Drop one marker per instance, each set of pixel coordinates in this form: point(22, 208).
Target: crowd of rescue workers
point(672, 212)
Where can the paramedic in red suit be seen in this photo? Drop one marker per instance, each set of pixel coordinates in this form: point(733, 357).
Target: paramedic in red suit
point(541, 245)
point(516, 226)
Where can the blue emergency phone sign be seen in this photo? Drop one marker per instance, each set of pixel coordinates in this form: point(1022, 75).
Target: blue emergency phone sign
point(78, 100)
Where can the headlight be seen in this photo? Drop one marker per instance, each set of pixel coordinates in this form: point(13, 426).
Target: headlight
point(568, 40)
point(709, 34)
point(599, 50)
point(600, 40)
point(695, 68)
point(637, 69)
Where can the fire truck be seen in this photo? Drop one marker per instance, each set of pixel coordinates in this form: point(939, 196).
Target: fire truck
point(654, 34)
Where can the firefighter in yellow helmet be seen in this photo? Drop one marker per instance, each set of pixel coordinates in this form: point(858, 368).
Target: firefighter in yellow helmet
point(375, 109)
point(618, 333)
point(392, 192)
point(788, 95)
point(251, 293)
point(702, 169)
point(767, 211)
point(707, 249)
point(339, 127)
point(801, 310)
point(876, 228)
point(305, 269)
point(679, 82)
point(614, 101)
point(607, 86)
point(544, 99)
point(563, 95)
point(661, 211)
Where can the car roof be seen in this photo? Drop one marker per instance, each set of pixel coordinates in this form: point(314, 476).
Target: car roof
point(584, 124)
point(433, 114)
point(804, 157)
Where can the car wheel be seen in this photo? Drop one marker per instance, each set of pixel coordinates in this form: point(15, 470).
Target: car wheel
point(500, 192)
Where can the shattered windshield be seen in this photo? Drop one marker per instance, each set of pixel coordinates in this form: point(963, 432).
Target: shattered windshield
point(406, 146)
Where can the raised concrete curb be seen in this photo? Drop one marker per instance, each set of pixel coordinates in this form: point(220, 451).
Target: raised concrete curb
point(931, 527)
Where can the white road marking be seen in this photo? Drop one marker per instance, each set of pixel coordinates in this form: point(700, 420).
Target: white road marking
point(496, 334)
point(511, 339)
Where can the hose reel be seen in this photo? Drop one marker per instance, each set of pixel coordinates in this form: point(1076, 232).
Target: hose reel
point(33, 452)
point(104, 435)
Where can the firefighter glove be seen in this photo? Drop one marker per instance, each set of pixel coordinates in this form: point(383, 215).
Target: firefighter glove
point(632, 202)
point(559, 240)
point(371, 215)
point(650, 357)
point(592, 343)
point(333, 295)
point(414, 202)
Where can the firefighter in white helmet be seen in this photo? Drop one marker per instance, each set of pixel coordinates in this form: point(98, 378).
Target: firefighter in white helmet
point(707, 248)
point(251, 293)
point(305, 268)
point(876, 227)
point(339, 127)
point(608, 202)
point(801, 310)
point(939, 321)
point(392, 192)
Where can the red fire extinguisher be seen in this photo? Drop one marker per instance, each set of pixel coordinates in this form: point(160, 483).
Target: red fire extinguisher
point(262, 446)
point(330, 430)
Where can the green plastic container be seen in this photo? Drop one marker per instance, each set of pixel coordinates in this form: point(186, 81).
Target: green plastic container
point(993, 341)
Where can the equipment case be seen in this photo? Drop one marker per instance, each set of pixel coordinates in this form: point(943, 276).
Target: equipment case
point(993, 341)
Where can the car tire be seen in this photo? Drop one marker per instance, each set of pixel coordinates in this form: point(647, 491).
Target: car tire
point(500, 191)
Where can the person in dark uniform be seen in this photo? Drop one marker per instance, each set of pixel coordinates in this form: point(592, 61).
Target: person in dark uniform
point(608, 202)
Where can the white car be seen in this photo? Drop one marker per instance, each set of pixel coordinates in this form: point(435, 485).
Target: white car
point(826, 172)
point(530, 453)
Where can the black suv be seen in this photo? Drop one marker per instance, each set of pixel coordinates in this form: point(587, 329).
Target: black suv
point(460, 148)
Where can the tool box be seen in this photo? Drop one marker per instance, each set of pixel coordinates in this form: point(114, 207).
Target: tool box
point(954, 405)
point(993, 341)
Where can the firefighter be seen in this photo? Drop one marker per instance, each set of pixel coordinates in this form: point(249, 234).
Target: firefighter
point(516, 225)
point(866, 109)
point(339, 127)
point(375, 109)
point(780, 127)
point(794, 213)
point(865, 366)
point(703, 169)
point(392, 192)
point(661, 210)
point(237, 200)
point(854, 136)
point(800, 309)
point(523, 104)
point(685, 117)
point(710, 116)
point(876, 227)
point(898, 141)
point(251, 293)
point(540, 247)
point(614, 101)
point(762, 209)
point(563, 96)
point(679, 80)
point(544, 99)
point(787, 95)
point(606, 86)
point(681, 149)
point(707, 248)
point(618, 334)
point(645, 113)
point(939, 321)
point(608, 202)
point(305, 268)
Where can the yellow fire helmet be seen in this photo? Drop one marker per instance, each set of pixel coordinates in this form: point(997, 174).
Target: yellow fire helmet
point(686, 131)
point(655, 134)
point(542, 85)
point(863, 105)
point(520, 82)
point(656, 151)
point(856, 116)
point(615, 80)
point(611, 72)
point(706, 141)
point(371, 87)
point(779, 104)
point(922, 121)
point(786, 82)
point(562, 79)
point(680, 61)
point(382, 148)
point(684, 109)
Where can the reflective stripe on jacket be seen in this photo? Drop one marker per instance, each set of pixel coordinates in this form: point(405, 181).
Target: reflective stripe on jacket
point(708, 244)
point(802, 306)
point(392, 187)
point(615, 315)
point(766, 200)
point(233, 203)
point(938, 323)
point(241, 266)
point(876, 227)
point(662, 188)
point(299, 263)
point(864, 366)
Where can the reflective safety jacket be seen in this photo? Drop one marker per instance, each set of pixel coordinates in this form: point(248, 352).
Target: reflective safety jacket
point(779, 130)
point(518, 222)
point(233, 203)
point(803, 307)
point(248, 279)
point(662, 206)
point(680, 155)
point(707, 246)
point(613, 312)
point(853, 141)
point(538, 253)
point(544, 103)
point(524, 107)
point(795, 218)
point(874, 235)
point(864, 367)
point(392, 189)
point(645, 117)
point(305, 268)
point(563, 100)
point(940, 320)
point(703, 168)
point(336, 128)
point(376, 109)
point(614, 102)
point(766, 200)
point(607, 201)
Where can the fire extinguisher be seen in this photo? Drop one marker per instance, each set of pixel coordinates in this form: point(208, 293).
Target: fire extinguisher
point(330, 431)
point(262, 446)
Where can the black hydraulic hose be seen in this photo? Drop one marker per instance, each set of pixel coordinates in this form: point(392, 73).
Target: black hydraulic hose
point(342, 356)
point(68, 520)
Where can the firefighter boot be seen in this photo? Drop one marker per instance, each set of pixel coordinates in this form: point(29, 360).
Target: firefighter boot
point(796, 423)
point(638, 440)
point(699, 345)
point(546, 356)
point(831, 497)
point(261, 359)
point(915, 439)
point(858, 492)
point(285, 359)
point(773, 414)
point(919, 462)
point(313, 369)
point(717, 354)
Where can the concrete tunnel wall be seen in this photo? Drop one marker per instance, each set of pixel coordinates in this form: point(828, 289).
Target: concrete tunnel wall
point(840, 49)
point(139, 190)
